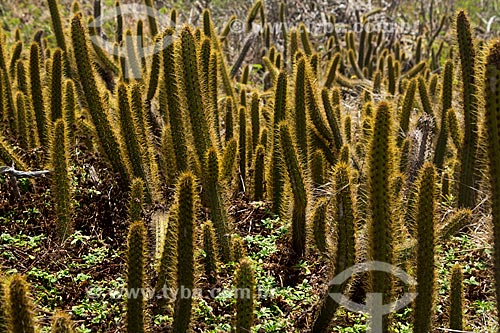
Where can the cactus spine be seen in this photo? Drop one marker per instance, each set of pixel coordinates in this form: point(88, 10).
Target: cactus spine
point(466, 191)
point(186, 221)
point(20, 306)
point(425, 253)
point(136, 261)
point(296, 176)
point(245, 287)
point(61, 180)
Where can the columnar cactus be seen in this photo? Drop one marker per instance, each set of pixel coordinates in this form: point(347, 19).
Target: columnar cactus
point(466, 190)
point(128, 131)
point(492, 114)
point(210, 261)
point(456, 299)
point(299, 190)
point(20, 307)
point(61, 323)
point(174, 110)
point(8, 103)
point(22, 121)
point(245, 304)
point(191, 90)
point(425, 209)
point(408, 101)
point(213, 93)
point(167, 268)
point(217, 211)
point(345, 219)
point(9, 157)
point(136, 264)
point(15, 56)
point(445, 106)
point(276, 169)
point(56, 85)
point(380, 225)
point(255, 119)
point(258, 183)
point(332, 70)
point(105, 133)
point(61, 183)
point(319, 225)
point(454, 129)
point(69, 110)
point(333, 120)
point(317, 168)
point(424, 96)
point(153, 26)
point(228, 160)
point(57, 25)
point(242, 147)
point(136, 201)
point(4, 315)
point(238, 248)
point(186, 221)
point(229, 120)
point(300, 110)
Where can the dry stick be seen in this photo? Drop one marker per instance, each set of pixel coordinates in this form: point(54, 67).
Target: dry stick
point(13, 174)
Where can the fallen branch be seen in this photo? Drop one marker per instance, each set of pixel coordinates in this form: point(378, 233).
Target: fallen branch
point(11, 171)
point(14, 174)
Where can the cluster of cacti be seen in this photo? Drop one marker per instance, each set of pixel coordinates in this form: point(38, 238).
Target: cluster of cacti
point(347, 139)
